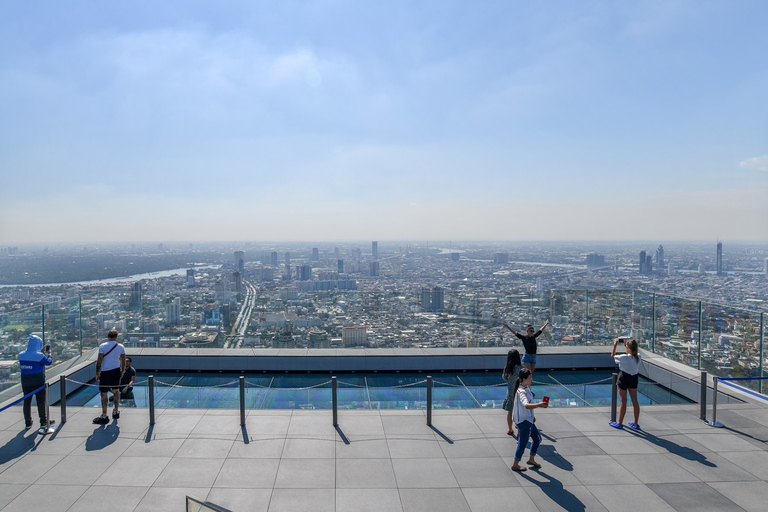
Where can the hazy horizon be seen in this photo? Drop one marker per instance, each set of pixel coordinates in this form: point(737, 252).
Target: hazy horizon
point(335, 120)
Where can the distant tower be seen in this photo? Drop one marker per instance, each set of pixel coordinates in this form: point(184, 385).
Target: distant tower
point(373, 270)
point(660, 257)
point(438, 299)
point(287, 265)
point(501, 258)
point(135, 295)
point(240, 261)
point(425, 299)
point(719, 258)
point(375, 250)
point(273, 259)
point(765, 266)
point(237, 277)
point(315, 254)
point(340, 266)
point(642, 262)
point(455, 256)
point(649, 264)
point(190, 277)
point(305, 273)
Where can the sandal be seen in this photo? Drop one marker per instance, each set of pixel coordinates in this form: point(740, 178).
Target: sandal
point(616, 425)
point(533, 464)
point(518, 469)
point(101, 420)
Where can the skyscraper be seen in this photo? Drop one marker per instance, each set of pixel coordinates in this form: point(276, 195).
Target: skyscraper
point(273, 259)
point(304, 273)
point(340, 266)
point(719, 258)
point(375, 250)
point(373, 269)
point(438, 299)
point(240, 261)
point(190, 277)
point(135, 302)
point(660, 257)
point(287, 265)
point(425, 299)
point(315, 254)
point(237, 277)
point(642, 262)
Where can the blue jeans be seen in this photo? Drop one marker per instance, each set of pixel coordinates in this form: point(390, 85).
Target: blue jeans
point(529, 358)
point(527, 430)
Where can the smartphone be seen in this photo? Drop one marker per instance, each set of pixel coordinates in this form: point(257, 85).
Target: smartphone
point(47, 348)
point(545, 399)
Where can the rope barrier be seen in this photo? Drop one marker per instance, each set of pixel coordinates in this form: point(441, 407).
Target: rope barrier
point(23, 398)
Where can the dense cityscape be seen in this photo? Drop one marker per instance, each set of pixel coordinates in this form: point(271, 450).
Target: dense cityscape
point(386, 295)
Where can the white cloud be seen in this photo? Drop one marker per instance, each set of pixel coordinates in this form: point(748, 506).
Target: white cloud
point(758, 163)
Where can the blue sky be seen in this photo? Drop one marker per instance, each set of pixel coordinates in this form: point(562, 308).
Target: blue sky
point(340, 120)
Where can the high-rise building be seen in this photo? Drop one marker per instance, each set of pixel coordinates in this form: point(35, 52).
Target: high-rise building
point(273, 258)
point(237, 277)
point(240, 261)
point(135, 302)
point(719, 258)
point(190, 277)
point(455, 256)
point(340, 266)
point(353, 336)
point(660, 257)
point(765, 266)
point(642, 262)
point(425, 299)
point(287, 265)
point(595, 260)
point(501, 258)
point(373, 269)
point(375, 250)
point(649, 264)
point(438, 299)
point(304, 272)
point(173, 312)
point(315, 254)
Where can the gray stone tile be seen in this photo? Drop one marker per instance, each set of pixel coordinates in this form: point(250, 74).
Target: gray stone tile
point(602, 469)
point(365, 474)
point(499, 498)
point(623, 445)
point(318, 426)
point(423, 473)
point(431, 500)
point(654, 468)
point(134, 471)
point(258, 447)
point(78, 470)
point(247, 473)
point(352, 425)
point(29, 468)
point(406, 425)
point(176, 423)
point(574, 445)
point(594, 422)
point(258, 425)
point(362, 448)
point(414, 447)
point(8, 492)
point(204, 449)
point(482, 472)
point(51, 498)
point(754, 462)
point(291, 500)
point(237, 500)
point(723, 441)
point(368, 500)
point(453, 424)
point(569, 498)
point(473, 447)
point(694, 496)
point(154, 448)
point(615, 498)
point(189, 473)
point(750, 496)
point(218, 424)
point(301, 448)
point(164, 499)
point(713, 469)
point(306, 474)
point(120, 499)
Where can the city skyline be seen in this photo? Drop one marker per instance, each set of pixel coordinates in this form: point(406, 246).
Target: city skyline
point(336, 121)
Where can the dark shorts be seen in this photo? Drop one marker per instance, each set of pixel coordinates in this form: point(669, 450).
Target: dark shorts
point(627, 381)
point(109, 380)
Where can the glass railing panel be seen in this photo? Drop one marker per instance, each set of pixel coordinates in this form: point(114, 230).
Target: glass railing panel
point(731, 342)
point(15, 328)
point(609, 316)
point(643, 323)
point(62, 328)
point(568, 317)
point(677, 326)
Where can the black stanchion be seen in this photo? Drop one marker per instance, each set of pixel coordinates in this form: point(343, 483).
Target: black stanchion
point(335, 399)
point(242, 401)
point(703, 397)
point(63, 400)
point(151, 390)
point(614, 395)
point(429, 400)
point(714, 422)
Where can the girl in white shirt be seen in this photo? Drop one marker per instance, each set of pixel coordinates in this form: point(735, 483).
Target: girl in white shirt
point(523, 414)
point(629, 364)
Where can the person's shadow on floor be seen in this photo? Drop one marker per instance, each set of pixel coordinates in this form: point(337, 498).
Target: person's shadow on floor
point(103, 436)
point(555, 491)
point(19, 445)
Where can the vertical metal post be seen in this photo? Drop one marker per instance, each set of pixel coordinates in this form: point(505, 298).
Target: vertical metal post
point(242, 401)
point(703, 396)
point(614, 394)
point(429, 400)
point(63, 399)
point(653, 325)
point(760, 354)
point(335, 400)
point(698, 341)
point(47, 409)
point(714, 422)
point(151, 390)
point(80, 299)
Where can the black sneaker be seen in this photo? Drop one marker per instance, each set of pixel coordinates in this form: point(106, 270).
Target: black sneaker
point(28, 425)
point(116, 414)
point(101, 420)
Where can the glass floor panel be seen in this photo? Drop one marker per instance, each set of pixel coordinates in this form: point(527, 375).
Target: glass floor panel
point(566, 388)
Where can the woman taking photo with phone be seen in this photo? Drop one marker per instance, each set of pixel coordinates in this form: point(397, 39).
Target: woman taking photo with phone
point(629, 364)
